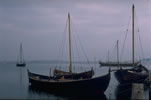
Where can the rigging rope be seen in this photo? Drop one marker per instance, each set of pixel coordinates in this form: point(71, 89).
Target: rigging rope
point(139, 48)
point(114, 50)
point(139, 38)
point(122, 51)
point(78, 53)
point(141, 44)
point(60, 56)
point(81, 45)
point(62, 47)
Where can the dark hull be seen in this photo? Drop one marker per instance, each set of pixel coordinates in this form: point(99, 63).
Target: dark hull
point(68, 75)
point(126, 76)
point(97, 85)
point(21, 65)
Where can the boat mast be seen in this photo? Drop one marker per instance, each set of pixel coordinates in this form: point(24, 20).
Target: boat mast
point(117, 53)
point(20, 61)
point(133, 60)
point(70, 67)
point(108, 56)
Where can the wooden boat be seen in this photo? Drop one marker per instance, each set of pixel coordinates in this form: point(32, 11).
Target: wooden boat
point(134, 75)
point(97, 84)
point(137, 74)
point(125, 64)
point(70, 74)
point(20, 61)
point(117, 64)
point(67, 75)
point(68, 81)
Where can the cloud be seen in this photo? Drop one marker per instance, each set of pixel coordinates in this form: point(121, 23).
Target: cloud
point(40, 25)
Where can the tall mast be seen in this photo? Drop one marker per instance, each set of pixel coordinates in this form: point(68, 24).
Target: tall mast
point(117, 53)
point(70, 67)
point(108, 56)
point(133, 60)
point(20, 53)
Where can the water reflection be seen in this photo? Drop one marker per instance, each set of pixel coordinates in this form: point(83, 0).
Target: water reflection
point(69, 95)
point(20, 80)
point(123, 92)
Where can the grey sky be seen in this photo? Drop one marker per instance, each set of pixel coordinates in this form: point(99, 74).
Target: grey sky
point(40, 25)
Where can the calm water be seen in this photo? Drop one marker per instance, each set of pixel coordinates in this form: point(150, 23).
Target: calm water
point(14, 81)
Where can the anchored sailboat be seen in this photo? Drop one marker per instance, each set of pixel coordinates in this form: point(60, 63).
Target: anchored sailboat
point(69, 81)
point(137, 74)
point(125, 64)
point(20, 61)
point(117, 64)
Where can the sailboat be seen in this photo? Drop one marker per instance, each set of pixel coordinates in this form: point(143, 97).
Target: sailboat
point(137, 74)
point(70, 75)
point(72, 83)
point(125, 64)
point(21, 61)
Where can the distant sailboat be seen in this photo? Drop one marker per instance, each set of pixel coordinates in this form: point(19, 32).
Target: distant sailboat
point(137, 74)
point(117, 64)
point(125, 64)
point(20, 60)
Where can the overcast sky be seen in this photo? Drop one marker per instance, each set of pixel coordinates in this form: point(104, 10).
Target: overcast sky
point(40, 26)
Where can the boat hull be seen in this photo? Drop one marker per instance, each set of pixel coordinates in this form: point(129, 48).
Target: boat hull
point(20, 65)
point(124, 76)
point(98, 84)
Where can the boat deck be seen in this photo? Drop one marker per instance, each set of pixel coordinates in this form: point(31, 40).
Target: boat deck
point(55, 80)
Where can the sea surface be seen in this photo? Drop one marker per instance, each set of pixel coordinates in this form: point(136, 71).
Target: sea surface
point(14, 80)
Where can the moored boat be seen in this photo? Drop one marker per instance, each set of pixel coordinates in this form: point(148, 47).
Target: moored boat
point(125, 64)
point(62, 81)
point(137, 74)
point(97, 84)
point(134, 75)
point(20, 61)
